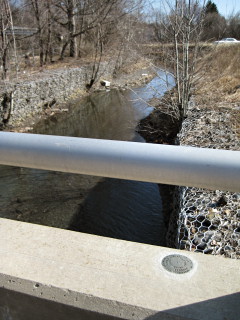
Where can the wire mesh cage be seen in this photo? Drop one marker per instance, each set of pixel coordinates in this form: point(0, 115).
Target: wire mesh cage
point(209, 221)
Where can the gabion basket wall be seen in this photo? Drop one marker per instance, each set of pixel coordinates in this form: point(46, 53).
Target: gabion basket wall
point(209, 221)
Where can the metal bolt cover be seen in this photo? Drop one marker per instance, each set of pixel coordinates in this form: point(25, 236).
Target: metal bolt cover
point(177, 263)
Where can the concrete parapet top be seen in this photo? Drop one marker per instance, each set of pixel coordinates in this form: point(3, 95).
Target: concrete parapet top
point(118, 278)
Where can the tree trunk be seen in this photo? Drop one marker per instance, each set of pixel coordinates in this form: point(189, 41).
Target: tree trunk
point(64, 47)
point(72, 29)
point(48, 52)
point(35, 6)
point(5, 64)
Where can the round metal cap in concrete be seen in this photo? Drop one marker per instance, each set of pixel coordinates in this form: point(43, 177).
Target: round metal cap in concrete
point(177, 263)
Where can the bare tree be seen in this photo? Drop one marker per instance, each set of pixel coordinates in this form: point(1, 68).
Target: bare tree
point(6, 36)
point(79, 17)
point(39, 14)
point(181, 28)
point(214, 27)
point(38, 11)
point(65, 16)
point(98, 44)
point(79, 26)
point(112, 34)
point(49, 49)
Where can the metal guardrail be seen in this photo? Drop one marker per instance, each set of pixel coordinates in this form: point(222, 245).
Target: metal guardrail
point(175, 165)
point(21, 31)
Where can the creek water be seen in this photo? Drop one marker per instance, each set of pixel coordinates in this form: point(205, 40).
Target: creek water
point(115, 208)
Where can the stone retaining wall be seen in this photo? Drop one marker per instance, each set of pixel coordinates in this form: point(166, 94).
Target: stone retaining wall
point(19, 100)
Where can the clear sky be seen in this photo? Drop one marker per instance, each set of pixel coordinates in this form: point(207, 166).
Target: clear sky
point(225, 7)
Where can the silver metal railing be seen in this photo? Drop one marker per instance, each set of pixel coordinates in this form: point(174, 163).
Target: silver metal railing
point(175, 165)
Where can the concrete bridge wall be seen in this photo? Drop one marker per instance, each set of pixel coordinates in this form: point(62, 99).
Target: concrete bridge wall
point(48, 273)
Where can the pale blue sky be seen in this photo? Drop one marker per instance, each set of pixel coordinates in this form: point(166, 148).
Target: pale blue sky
point(225, 7)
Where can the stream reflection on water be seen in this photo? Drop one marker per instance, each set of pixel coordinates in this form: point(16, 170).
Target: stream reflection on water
point(116, 208)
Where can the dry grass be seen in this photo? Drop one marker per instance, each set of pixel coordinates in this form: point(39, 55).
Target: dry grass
point(217, 78)
point(138, 65)
point(32, 69)
point(220, 69)
point(219, 85)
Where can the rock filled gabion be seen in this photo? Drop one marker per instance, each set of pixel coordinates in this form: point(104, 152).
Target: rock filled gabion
point(209, 221)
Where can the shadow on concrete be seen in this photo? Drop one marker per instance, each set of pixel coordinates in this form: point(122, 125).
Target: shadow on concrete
point(222, 308)
point(19, 306)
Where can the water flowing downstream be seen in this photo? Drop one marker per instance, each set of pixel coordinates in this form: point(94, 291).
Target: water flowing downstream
point(110, 207)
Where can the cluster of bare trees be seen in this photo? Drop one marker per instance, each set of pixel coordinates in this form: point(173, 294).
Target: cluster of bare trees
point(60, 28)
point(217, 27)
point(54, 29)
point(182, 28)
point(213, 27)
point(186, 23)
point(179, 29)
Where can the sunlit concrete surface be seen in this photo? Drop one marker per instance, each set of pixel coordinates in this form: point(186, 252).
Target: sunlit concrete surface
point(48, 273)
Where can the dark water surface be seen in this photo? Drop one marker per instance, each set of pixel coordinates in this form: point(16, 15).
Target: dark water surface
point(110, 207)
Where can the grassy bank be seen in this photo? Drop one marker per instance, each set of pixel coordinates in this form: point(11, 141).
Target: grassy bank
point(218, 81)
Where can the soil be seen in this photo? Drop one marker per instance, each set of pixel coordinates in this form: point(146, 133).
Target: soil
point(163, 124)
